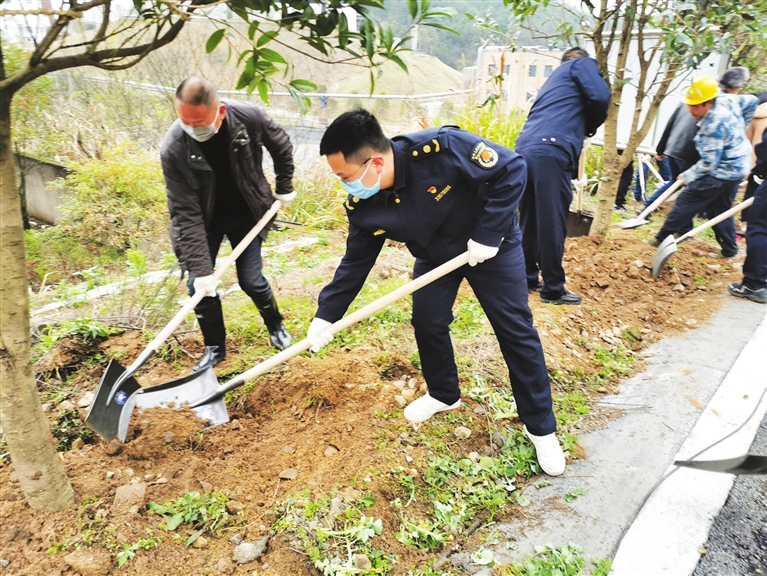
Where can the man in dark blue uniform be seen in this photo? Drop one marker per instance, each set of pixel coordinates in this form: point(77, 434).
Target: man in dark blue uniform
point(571, 105)
point(441, 191)
point(754, 284)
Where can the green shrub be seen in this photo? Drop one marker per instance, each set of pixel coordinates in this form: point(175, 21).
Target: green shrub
point(116, 202)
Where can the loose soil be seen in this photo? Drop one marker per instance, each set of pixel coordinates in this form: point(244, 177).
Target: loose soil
point(331, 420)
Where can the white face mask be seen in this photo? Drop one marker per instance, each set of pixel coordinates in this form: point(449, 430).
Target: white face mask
point(201, 133)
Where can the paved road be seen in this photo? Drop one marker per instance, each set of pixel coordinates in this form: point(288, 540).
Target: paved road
point(697, 389)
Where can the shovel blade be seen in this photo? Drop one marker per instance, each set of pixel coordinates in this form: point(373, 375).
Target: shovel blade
point(578, 224)
point(185, 391)
point(662, 254)
point(111, 421)
point(633, 223)
point(748, 464)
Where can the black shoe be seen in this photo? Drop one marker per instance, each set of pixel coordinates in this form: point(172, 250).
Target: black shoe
point(280, 337)
point(536, 288)
point(211, 357)
point(741, 291)
point(566, 298)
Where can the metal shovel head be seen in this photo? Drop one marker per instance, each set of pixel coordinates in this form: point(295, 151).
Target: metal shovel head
point(578, 224)
point(662, 254)
point(186, 390)
point(633, 223)
point(111, 421)
point(748, 464)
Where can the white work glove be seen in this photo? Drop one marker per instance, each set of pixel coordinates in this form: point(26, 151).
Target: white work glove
point(586, 143)
point(478, 253)
point(316, 336)
point(758, 180)
point(206, 285)
point(286, 199)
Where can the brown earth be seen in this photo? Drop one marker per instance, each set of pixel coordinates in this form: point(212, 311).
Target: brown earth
point(333, 420)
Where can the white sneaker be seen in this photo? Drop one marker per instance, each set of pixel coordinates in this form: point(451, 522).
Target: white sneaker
point(549, 453)
point(423, 408)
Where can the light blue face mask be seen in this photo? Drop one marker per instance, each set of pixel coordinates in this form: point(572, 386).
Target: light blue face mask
point(358, 189)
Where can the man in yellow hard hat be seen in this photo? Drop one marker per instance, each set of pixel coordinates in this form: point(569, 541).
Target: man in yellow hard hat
point(725, 159)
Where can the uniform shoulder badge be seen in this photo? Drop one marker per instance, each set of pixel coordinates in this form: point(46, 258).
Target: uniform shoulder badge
point(424, 149)
point(484, 155)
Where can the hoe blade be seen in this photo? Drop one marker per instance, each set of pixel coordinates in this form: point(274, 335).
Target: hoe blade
point(662, 254)
point(185, 391)
point(111, 421)
point(748, 464)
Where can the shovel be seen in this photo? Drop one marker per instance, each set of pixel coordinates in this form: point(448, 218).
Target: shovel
point(748, 464)
point(641, 220)
point(578, 223)
point(201, 390)
point(668, 246)
point(117, 383)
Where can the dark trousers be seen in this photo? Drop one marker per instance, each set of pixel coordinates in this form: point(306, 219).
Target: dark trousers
point(500, 287)
point(252, 282)
point(543, 216)
point(677, 167)
point(755, 266)
point(709, 195)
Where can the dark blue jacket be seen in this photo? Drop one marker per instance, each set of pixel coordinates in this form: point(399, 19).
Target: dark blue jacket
point(449, 186)
point(571, 105)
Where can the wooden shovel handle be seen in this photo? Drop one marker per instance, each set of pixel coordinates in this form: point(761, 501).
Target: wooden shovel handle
point(717, 219)
point(336, 327)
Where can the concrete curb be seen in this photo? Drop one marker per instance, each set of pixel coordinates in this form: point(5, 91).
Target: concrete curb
point(667, 535)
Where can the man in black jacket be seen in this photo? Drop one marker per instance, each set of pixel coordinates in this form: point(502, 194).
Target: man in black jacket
point(211, 159)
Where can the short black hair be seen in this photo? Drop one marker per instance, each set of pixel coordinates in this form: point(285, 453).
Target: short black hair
point(196, 90)
point(354, 133)
point(573, 53)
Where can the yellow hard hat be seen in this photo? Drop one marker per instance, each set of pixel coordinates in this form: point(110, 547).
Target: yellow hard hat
point(701, 90)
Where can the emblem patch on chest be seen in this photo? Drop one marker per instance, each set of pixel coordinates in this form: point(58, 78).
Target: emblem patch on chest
point(442, 193)
point(483, 155)
point(379, 232)
point(432, 190)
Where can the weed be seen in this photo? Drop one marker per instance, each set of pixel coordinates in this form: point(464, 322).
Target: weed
point(566, 560)
point(129, 550)
point(69, 427)
point(575, 493)
point(204, 513)
point(603, 566)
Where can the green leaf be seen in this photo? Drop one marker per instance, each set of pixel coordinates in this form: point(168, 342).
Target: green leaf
point(303, 85)
point(175, 522)
point(214, 40)
point(266, 37)
point(271, 56)
point(412, 6)
point(194, 537)
point(263, 90)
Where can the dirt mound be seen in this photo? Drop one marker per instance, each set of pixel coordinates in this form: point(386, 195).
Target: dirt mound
point(331, 426)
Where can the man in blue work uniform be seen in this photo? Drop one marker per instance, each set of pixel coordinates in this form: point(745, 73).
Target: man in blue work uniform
point(442, 191)
point(725, 159)
point(572, 104)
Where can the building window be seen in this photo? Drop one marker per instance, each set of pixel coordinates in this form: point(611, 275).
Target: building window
point(532, 71)
point(491, 69)
point(506, 69)
point(547, 70)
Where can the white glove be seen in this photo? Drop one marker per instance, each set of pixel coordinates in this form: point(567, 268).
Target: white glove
point(205, 284)
point(286, 199)
point(478, 253)
point(316, 336)
point(586, 143)
point(758, 180)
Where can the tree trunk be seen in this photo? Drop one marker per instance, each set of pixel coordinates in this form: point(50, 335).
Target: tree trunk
point(38, 468)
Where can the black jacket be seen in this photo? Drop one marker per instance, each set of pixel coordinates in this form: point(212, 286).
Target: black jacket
point(677, 138)
point(449, 186)
point(190, 183)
